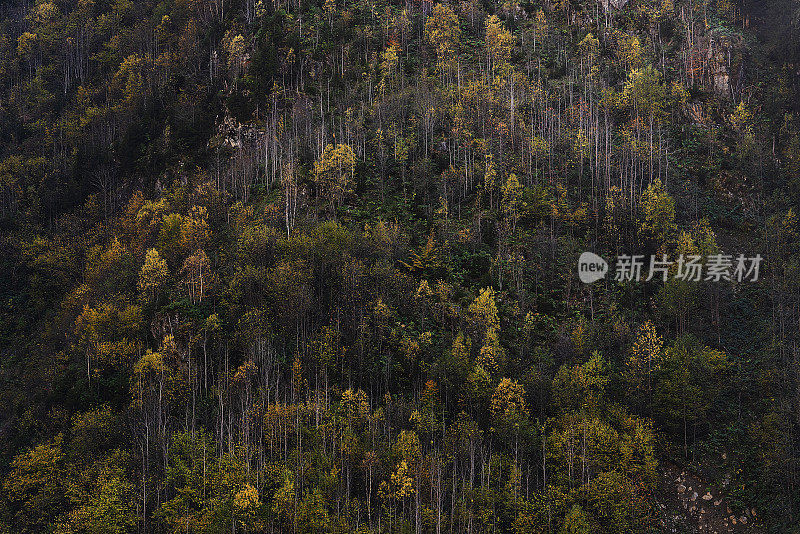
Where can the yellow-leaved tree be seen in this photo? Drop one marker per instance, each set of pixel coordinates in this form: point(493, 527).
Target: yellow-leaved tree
point(153, 275)
point(658, 214)
point(499, 42)
point(508, 402)
point(484, 316)
point(334, 173)
point(645, 359)
point(443, 32)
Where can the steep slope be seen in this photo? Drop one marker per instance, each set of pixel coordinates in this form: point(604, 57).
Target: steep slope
point(310, 266)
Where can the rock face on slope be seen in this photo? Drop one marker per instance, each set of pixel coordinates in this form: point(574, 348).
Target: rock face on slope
point(613, 4)
point(724, 60)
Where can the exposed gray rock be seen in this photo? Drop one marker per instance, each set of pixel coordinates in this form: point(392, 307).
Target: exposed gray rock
point(608, 5)
point(721, 51)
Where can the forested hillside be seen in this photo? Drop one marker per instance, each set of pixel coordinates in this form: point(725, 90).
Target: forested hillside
point(312, 266)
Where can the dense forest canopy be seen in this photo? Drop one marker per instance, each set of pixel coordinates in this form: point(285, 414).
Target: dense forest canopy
point(311, 266)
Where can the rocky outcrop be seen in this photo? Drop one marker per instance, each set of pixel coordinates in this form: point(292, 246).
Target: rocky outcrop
point(608, 5)
point(233, 134)
point(241, 150)
point(723, 53)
